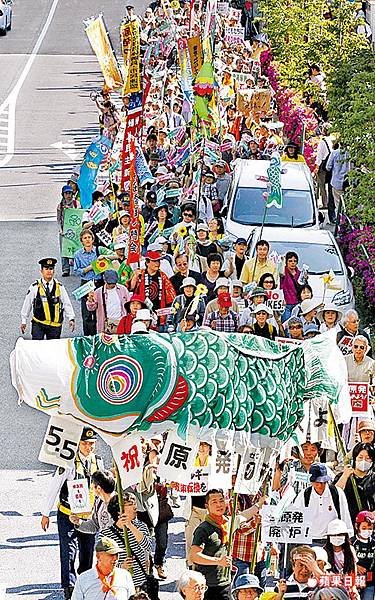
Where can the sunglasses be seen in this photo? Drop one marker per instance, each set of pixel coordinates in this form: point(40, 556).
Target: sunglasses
point(268, 281)
point(295, 327)
point(187, 214)
point(358, 346)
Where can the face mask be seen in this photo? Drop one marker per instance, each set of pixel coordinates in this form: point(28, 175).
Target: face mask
point(337, 540)
point(363, 465)
point(366, 534)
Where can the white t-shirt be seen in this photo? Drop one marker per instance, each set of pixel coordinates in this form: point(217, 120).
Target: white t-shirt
point(113, 304)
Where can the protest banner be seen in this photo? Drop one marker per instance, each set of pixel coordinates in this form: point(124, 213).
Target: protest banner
point(79, 497)
point(275, 300)
point(293, 527)
point(127, 453)
point(97, 150)
point(359, 396)
point(83, 290)
point(284, 340)
point(142, 169)
point(97, 214)
point(254, 466)
point(345, 344)
point(195, 53)
point(240, 77)
point(234, 35)
point(100, 43)
point(221, 468)
point(130, 45)
point(60, 442)
point(197, 485)
point(72, 226)
point(234, 14)
point(177, 458)
point(223, 8)
point(132, 130)
point(105, 237)
point(134, 249)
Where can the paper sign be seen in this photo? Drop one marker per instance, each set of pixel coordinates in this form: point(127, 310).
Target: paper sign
point(283, 340)
point(223, 8)
point(177, 458)
point(221, 469)
point(345, 344)
point(78, 496)
point(97, 214)
point(226, 146)
point(198, 484)
point(235, 14)
point(359, 396)
point(275, 300)
point(254, 467)
point(234, 35)
point(293, 527)
point(84, 289)
point(127, 453)
point(60, 442)
point(104, 237)
point(162, 312)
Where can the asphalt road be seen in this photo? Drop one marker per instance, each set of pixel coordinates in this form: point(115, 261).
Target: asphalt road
point(49, 93)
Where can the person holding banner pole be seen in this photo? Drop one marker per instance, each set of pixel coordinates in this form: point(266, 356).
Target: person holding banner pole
point(72, 541)
point(83, 268)
point(209, 549)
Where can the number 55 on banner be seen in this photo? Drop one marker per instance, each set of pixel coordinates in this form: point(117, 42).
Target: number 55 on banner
point(60, 442)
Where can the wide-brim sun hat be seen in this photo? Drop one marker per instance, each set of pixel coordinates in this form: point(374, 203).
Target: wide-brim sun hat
point(309, 304)
point(330, 306)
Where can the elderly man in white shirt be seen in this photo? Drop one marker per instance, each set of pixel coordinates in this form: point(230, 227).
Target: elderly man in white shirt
point(105, 581)
point(324, 502)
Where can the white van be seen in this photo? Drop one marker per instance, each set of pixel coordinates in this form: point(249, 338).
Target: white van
point(245, 201)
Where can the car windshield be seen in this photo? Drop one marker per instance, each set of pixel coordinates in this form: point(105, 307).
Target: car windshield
point(320, 258)
point(297, 209)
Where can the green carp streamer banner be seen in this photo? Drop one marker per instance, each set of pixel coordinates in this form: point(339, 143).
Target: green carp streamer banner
point(140, 383)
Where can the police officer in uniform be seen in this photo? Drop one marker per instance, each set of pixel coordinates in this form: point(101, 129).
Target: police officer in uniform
point(47, 300)
point(71, 540)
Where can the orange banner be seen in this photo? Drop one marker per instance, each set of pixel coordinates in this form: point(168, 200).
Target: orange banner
point(195, 53)
point(99, 40)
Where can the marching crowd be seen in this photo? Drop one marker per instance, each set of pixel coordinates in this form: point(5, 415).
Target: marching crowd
point(191, 276)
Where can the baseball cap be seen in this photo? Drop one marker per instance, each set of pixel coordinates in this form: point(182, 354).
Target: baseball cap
point(240, 241)
point(247, 581)
point(67, 188)
point(105, 544)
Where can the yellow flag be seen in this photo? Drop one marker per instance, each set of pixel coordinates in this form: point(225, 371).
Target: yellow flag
point(101, 45)
point(130, 45)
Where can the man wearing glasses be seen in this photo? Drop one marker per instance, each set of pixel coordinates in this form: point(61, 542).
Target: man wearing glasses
point(360, 367)
point(48, 302)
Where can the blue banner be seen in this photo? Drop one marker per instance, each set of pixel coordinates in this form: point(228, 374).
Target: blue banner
point(96, 151)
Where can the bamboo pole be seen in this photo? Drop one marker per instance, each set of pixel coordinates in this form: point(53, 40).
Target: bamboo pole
point(121, 505)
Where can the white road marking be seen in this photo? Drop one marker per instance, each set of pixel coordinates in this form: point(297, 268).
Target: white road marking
point(68, 149)
point(10, 103)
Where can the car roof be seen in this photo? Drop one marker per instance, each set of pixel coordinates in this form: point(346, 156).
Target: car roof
point(299, 235)
point(295, 178)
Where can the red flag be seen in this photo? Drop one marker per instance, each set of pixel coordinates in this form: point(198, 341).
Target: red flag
point(134, 252)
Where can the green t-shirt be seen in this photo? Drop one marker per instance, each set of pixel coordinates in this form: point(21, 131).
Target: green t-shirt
point(209, 537)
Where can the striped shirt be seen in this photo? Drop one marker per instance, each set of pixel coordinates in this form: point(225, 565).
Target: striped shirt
point(140, 549)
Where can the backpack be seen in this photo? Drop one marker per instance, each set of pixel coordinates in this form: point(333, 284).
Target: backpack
point(334, 494)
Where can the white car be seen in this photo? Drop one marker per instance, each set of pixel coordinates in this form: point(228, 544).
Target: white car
point(317, 249)
point(5, 16)
point(245, 201)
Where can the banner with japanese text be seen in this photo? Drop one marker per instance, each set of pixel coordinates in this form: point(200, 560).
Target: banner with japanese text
point(100, 43)
point(130, 45)
point(70, 241)
point(134, 250)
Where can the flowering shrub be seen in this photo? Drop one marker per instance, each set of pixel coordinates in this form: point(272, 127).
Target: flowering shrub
point(353, 241)
point(291, 110)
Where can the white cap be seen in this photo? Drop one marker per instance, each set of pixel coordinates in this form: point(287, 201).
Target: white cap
point(222, 282)
point(262, 307)
point(138, 327)
point(143, 314)
point(336, 527)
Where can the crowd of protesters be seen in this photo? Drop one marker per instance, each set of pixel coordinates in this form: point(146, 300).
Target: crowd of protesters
point(191, 276)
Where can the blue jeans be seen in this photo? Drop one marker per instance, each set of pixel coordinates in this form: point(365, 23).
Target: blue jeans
point(287, 312)
point(368, 593)
point(161, 543)
point(72, 542)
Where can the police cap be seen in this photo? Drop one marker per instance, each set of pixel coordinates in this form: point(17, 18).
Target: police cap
point(88, 435)
point(47, 262)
